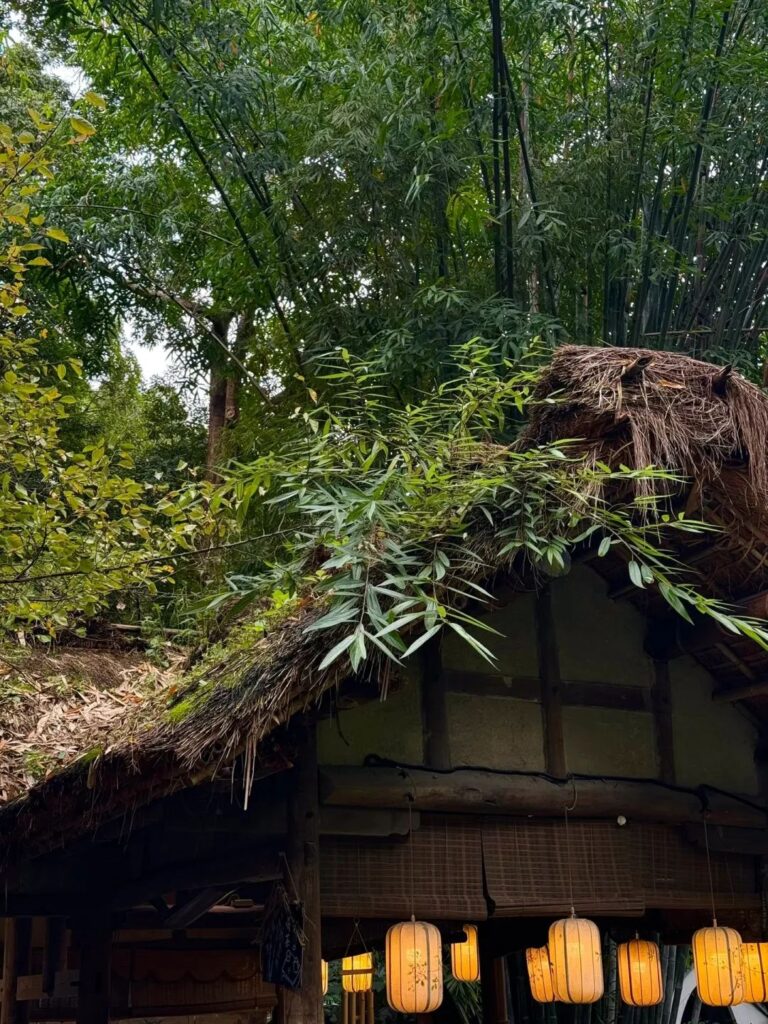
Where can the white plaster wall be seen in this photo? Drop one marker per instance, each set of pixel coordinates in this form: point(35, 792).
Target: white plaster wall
point(601, 741)
point(600, 640)
point(495, 732)
point(515, 649)
point(389, 728)
point(714, 743)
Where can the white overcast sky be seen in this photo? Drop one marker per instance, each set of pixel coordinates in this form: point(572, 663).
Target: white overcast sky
point(153, 360)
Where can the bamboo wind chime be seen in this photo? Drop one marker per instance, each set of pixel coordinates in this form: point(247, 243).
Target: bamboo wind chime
point(357, 1007)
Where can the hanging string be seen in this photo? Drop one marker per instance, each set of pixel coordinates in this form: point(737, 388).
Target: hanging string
point(356, 934)
point(410, 850)
point(568, 858)
point(709, 872)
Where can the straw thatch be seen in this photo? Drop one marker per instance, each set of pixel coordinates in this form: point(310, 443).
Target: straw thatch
point(627, 406)
point(642, 408)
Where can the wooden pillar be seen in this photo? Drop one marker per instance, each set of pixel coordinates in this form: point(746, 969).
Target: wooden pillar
point(661, 695)
point(303, 861)
point(551, 684)
point(17, 941)
point(93, 990)
point(493, 982)
point(434, 713)
point(54, 952)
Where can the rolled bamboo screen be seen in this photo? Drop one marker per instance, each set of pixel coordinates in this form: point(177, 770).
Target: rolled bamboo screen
point(717, 963)
point(640, 979)
point(577, 961)
point(414, 966)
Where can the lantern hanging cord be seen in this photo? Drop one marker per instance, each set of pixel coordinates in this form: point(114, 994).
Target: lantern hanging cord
point(709, 872)
point(356, 933)
point(568, 859)
point(410, 850)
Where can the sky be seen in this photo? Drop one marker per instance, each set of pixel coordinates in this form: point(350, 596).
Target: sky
point(154, 361)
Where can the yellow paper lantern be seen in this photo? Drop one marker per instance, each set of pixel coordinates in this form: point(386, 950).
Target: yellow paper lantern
point(577, 961)
point(414, 965)
point(717, 963)
point(540, 974)
point(357, 972)
point(465, 956)
point(640, 979)
point(754, 966)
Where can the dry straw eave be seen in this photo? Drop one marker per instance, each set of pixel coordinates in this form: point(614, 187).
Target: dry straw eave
point(630, 406)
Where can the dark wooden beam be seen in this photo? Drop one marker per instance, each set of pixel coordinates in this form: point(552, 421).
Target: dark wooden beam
point(662, 720)
point(188, 912)
point(303, 873)
point(434, 715)
point(473, 791)
point(260, 864)
point(551, 683)
point(576, 693)
point(750, 690)
point(94, 940)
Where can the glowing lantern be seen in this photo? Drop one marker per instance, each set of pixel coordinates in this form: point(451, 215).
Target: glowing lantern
point(324, 975)
point(754, 965)
point(465, 956)
point(414, 965)
point(357, 972)
point(717, 963)
point(577, 961)
point(540, 974)
point(640, 973)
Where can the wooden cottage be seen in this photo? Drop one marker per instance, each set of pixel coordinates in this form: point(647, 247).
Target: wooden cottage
point(270, 815)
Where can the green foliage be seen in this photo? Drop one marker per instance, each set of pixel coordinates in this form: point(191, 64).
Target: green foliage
point(74, 527)
point(396, 517)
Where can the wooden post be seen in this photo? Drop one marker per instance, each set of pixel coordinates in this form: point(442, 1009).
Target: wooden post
point(16, 950)
point(434, 714)
point(302, 855)
point(493, 982)
point(551, 684)
point(661, 695)
point(53, 952)
point(95, 945)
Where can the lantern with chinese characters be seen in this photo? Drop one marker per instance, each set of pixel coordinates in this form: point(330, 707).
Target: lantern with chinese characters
point(540, 974)
point(577, 961)
point(640, 973)
point(465, 956)
point(357, 972)
point(754, 967)
point(324, 976)
point(414, 965)
point(717, 963)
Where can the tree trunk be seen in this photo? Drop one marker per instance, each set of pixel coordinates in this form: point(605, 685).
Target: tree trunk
point(218, 396)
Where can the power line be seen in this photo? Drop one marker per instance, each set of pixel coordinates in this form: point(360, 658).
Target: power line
point(105, 570)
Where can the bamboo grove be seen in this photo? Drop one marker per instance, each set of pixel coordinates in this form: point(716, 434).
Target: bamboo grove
point(401, 177)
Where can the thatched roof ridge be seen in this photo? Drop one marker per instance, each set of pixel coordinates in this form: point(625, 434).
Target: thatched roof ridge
point(656, 408)
point(629, 406)
point(642, 408)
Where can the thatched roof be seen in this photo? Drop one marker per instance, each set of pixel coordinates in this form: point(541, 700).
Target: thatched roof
point(628, 406)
